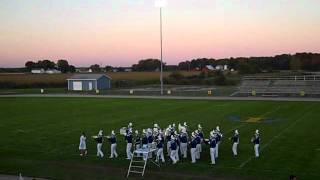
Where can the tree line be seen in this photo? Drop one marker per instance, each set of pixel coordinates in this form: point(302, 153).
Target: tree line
point(61, 65)
point(248, 65)
point(245, 65)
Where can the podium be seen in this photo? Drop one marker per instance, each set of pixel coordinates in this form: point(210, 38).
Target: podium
point(138, 163)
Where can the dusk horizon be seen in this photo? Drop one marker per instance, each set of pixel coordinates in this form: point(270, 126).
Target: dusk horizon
point(120, 33)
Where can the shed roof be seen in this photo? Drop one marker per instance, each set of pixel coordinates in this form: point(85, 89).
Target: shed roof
point(87, 76)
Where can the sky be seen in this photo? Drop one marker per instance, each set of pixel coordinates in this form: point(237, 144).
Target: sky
point(121, 32)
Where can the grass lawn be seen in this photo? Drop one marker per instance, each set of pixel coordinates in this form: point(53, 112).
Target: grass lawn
point(39, 137)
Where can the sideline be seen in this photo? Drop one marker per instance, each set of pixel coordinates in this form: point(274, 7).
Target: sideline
point(289, 99)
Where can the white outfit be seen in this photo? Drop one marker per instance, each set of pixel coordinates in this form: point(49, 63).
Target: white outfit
point(82, 145)
point(198, 151)
point(113, 150)
point(256, 150)
point(128, 150)
point(217, 150)
point(235, 149)
point(99, 151)
point(177, 154)
point(212, 155)
point(193, 154)
point(183, 149)
point(173, 156)
point(168, 148)
point(160, 155)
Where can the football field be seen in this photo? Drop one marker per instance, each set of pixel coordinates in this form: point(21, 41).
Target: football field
point(39, 137)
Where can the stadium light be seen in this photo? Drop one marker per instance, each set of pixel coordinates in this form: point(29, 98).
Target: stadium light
point(161, 4)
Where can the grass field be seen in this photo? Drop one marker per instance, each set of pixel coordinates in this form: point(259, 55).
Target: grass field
point(39, 137)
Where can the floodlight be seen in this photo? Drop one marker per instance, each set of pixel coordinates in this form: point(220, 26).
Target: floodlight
point(160, 3)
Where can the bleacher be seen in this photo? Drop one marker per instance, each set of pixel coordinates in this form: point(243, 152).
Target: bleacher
point(267, 86)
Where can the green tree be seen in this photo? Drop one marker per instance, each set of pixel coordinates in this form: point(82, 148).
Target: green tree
point(30, 65)
point(63, 65)
point(95, 68)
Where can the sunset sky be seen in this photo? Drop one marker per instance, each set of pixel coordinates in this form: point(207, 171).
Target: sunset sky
point(121, 32)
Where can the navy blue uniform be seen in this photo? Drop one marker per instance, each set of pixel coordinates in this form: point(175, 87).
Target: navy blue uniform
point(128, 138)
point(150, 139)
point(159, 144)
point(99, 139)
point(201, 135)
point(183, 139)
point(113, 140)
point(193, 143)
point(235, 139)
point(198, 139)
point(173, 146)
point(256, 140)
point(138, 140)
point(145, 140)
point(218, 137)
point(212, 143)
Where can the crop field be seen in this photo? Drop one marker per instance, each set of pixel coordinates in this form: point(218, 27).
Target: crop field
point(40, 137)
point(61, 78)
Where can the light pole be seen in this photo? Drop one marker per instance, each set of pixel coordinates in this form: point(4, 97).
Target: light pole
point(161, 4)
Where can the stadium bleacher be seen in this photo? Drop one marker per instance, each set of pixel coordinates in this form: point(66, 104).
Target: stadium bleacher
point(308, 86)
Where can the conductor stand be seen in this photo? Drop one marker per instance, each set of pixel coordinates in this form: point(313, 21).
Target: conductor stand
point(138, 163)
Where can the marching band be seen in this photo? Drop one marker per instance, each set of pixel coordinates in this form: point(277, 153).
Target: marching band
point(176, 141)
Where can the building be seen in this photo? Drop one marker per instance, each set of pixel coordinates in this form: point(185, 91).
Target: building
point(89, 82)
point(37, 71)
point(83, 70)
point(52, 71)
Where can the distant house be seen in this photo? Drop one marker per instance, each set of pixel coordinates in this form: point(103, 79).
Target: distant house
point(89, 82)
point(127, 69)
point(38, 71)
point(219, 67)
point(208, 68)
point(83, 70)
point(52, 71)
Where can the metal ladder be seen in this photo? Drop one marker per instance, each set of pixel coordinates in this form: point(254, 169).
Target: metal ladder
point(137, 164)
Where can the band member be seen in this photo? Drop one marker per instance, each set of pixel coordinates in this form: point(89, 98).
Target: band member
point(200, 133)
point(256, 143)
point(113, 142)
point(145, 143)
point(168, 138)
point(212, 142)
point(235, 141)
point(198, 147)
point(176, 139)
point(193, 149)
point(183, 142)
point(150, 141)
point(218, 139)
point(160, 150)
point(83, 144)
point(173, 149)
point(128, 138)
point(137, 140)
point(99, 140)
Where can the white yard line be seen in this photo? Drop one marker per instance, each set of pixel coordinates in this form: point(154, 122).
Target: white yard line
point(276, 137)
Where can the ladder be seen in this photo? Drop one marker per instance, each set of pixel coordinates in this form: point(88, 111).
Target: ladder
point(137, 164)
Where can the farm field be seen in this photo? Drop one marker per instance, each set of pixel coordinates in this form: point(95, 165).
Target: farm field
point(39, 137)
point(61, 78)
